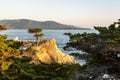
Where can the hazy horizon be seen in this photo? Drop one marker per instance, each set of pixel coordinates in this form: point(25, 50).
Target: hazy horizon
point(83, 13)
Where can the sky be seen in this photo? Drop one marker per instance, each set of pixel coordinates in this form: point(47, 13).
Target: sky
point(82, 13)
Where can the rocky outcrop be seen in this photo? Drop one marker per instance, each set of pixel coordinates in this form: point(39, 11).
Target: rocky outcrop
point(48, 52)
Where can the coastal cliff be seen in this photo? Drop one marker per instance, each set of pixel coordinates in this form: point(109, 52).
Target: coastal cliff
point(48, 52)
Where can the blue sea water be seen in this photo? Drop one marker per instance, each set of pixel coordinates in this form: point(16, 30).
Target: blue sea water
point(61, 39)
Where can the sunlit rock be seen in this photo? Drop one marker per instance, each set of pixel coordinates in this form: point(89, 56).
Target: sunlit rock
point(48, 52)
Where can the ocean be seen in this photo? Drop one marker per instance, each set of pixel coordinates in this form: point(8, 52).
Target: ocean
point(61, 39)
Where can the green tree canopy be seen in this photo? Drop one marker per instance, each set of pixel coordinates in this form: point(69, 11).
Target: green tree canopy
point(98, 46)
point(37, 34)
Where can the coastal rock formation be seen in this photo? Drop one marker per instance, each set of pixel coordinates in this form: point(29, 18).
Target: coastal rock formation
point(48, 52)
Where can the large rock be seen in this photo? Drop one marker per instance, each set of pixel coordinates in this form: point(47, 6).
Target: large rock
point(48, 52)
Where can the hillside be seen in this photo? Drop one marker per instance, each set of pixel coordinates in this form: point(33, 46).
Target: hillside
point(26, 24)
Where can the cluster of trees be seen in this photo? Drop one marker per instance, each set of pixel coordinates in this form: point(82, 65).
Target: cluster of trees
point(103, 49)
point(8, 48)
point(100, 47)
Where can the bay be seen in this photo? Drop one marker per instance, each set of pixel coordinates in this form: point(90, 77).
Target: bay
point(61, 39)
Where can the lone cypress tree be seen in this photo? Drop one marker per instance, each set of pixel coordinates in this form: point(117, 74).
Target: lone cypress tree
point(37, 34)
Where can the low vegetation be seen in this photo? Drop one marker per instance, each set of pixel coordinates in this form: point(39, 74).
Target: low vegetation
point(20, 69)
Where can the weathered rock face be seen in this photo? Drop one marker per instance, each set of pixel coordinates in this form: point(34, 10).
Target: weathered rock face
point(48, 52)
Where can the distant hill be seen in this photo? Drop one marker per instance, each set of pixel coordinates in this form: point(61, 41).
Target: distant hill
point(26, 24)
